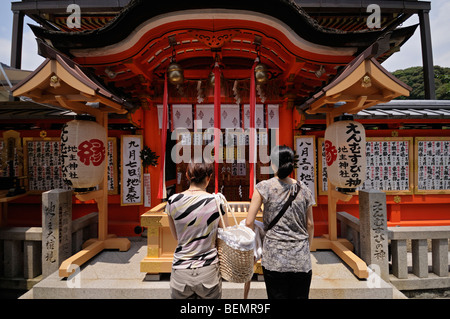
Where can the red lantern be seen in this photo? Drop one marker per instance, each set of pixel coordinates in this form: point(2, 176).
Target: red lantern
point(345, 152)
point(83, 153)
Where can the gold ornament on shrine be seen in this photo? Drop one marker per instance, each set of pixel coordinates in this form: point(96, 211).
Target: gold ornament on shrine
point(261, 75)
point(366, 81)
point(175, 74)
point(54, 82)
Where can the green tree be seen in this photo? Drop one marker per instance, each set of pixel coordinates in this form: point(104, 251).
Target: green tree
point(414, 78)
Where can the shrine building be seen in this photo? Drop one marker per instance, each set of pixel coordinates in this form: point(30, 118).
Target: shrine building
point(148, 72)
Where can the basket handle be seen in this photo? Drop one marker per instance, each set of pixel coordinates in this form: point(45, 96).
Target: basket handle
point(218, 198)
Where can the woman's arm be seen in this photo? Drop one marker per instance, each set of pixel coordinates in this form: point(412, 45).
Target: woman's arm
point(255, 205)
point(173, 230)
point(310, 225)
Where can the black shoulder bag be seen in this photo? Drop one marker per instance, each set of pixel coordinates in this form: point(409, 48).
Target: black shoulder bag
point(285, 207)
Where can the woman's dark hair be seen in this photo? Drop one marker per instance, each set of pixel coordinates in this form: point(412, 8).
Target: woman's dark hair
point(197, 172)
point(283, 159)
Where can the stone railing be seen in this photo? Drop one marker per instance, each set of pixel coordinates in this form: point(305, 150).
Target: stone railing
point(430, 265)
point(419, 255)
point(21, 251)
point(350, 230)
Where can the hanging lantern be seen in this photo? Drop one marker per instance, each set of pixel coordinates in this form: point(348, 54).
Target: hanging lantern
point(345, 150)
point(261, 74)
point(175, 74)
point(83, 153)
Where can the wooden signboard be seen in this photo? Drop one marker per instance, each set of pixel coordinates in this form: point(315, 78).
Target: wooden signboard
point(432, 165)
point(113, 187)
point(43, 165)
point(389, 165)
point(4, 163)
point(131, 168)
point(305, 148)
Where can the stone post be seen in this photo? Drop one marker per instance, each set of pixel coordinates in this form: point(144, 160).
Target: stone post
point(373, 231)
point(56, 229)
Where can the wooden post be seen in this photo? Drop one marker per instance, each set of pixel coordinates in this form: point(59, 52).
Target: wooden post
point(102, 201)
point(339, 246)
point(104, 241)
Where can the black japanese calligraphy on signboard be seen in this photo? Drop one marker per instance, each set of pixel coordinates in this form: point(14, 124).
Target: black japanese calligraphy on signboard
point(112, 166)
point(43, 165)
point(131, 169)
point(305, 148)
point(432, 169)
point(4, 163)
point(389, 165)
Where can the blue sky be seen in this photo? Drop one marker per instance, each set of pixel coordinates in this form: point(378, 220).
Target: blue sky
point(409, 55)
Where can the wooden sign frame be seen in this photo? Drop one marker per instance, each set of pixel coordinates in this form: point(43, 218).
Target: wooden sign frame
point(375, 139)
point(314, 164)
point(123, 140)
point(26, 163)
point(25, 141)
point(416, 165)
point(410, 162)
point(115, 189)
point(320, 167)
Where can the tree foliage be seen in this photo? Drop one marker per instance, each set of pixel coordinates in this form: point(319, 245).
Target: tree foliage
point(414, 78)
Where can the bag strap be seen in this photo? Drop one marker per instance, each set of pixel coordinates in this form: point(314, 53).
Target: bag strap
point(288, 203)
point(220, 199)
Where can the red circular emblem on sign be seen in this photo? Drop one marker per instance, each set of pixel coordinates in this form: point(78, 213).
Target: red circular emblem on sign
point(330, 152)
point(92, 151)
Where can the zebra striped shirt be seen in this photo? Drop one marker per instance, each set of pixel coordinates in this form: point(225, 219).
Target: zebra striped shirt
point(196, 220)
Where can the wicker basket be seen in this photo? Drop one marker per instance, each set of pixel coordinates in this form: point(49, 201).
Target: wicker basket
point(235, 265)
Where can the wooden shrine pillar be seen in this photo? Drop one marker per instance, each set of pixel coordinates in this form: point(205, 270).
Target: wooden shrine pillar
point(361, 84)
point(94, 246)
point(61, 82)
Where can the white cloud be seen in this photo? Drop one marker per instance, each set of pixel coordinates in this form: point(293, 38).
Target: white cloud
point(30, 58)
point(440, 25)
point(5, 50)
point(411, 52)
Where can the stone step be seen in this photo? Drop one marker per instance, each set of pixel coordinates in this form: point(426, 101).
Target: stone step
point(114, 274)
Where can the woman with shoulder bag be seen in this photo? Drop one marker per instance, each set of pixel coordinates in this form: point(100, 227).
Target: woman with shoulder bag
point(288, 221)
point(193, 220)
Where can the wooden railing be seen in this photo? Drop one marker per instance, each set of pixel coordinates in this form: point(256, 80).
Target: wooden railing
point(21, 251)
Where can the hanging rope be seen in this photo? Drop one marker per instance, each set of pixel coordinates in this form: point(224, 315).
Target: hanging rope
point(217, 125)
point(252, 144)
point(162, 173)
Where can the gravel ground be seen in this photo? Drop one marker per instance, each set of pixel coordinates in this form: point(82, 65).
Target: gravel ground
point(428, 294)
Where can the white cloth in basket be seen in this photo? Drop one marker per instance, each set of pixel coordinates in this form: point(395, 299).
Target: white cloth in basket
point(239, 237)
point(259, 238)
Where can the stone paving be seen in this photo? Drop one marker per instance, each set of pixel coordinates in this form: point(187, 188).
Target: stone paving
point(114, 274)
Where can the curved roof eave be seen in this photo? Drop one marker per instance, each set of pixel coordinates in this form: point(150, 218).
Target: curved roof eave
point(139, 11)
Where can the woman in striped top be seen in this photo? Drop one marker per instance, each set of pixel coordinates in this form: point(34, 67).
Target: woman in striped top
point(193, 221)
